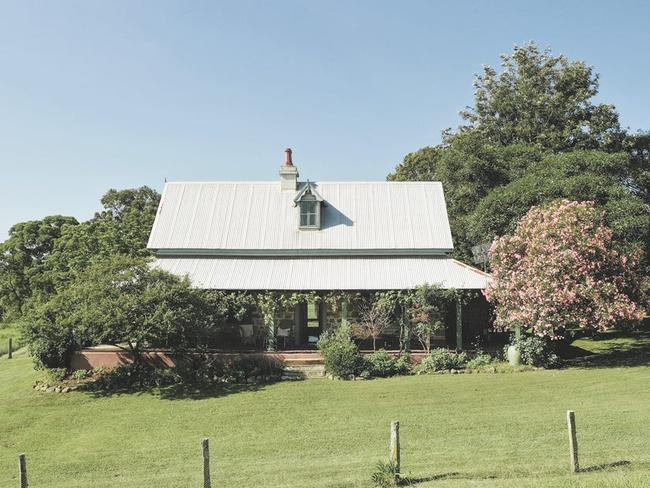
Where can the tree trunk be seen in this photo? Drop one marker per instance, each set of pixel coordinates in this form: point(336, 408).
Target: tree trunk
point(405, 332)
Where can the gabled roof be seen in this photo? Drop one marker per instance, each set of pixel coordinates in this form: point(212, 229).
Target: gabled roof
point(308, 188)
point(256, 218)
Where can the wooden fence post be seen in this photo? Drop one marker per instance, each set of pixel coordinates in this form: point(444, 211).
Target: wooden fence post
point(10, 351)
point(22, 466)
point(206, 463)
point(573, 441)
point(394, 445)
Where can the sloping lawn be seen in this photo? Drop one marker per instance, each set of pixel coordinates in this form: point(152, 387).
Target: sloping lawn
point(479, 430)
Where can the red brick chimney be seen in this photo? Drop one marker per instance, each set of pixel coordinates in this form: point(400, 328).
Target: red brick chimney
point(288, 173)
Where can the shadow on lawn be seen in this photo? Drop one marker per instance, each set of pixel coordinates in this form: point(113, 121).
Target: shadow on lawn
point(604, 467)
point(414, 480)
point(625, 350)
point(179, 392)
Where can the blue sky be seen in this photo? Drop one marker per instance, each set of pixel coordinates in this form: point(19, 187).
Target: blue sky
point(117, 94)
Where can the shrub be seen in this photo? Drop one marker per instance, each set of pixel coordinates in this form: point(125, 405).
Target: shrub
point(133, 376)
point(481, 360)
point(380, 364)
point(441, 359)
point(385, 476)
point(208, 369)
point(196, 370)
point(536, 351)
point(100, 370)
point(121, 300)
point(81, 374)
point(56, 375)
point(341, 354)
point(403, 364)
point(50, 345)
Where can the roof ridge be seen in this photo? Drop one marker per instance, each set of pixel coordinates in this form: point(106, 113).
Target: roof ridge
point(277, 182)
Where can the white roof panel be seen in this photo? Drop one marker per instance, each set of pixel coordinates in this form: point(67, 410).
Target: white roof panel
point(333, 273)
point(258, 216)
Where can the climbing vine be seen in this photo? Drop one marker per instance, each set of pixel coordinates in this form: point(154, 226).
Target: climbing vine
point(409, 308)
point(271, 302)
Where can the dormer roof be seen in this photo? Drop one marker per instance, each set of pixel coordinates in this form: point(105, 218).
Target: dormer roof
point(308, 188)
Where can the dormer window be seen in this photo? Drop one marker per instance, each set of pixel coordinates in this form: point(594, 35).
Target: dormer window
point(309, 204)
point(308, 214)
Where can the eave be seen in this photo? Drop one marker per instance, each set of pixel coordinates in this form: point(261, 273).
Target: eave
point(180, 252)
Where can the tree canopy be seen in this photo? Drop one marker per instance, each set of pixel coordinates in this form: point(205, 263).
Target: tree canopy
point(560, 269)
point(121, 301)
point(22, 258)
point(534, 134)
point(43, 256)
point(544, 100)
point(578, 175)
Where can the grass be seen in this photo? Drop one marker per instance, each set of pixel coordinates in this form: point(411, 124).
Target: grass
point(6, 331)
point(484, 430)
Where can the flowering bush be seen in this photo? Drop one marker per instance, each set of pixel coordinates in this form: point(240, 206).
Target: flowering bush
point(559, 270)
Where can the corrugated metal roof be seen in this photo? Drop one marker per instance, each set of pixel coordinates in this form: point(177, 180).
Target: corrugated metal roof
point(257, 215)
point(336, 273)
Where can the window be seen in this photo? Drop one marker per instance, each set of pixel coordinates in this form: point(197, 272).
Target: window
point(313, 315)
point(308, 214)
point(309, 204)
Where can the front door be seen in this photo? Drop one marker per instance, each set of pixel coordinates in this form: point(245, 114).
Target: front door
point(311, 322)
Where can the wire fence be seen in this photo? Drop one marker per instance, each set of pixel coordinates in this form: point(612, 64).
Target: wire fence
point(395, 456)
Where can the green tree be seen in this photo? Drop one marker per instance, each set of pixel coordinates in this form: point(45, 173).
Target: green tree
point(125, 302)
point(638, 146)
point(500, 164)
point(132, 213)
point(420, 165)
point(22, 256)
point(121, 228)
point(429, 307)
point(544, 100)
point(578, 175)
point(469, 169)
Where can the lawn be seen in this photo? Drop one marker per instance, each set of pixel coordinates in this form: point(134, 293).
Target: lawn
point(6, 331)
point(479, 430)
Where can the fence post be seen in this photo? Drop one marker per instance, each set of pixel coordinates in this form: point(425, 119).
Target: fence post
point(10, 351)
point(573, 441)
point(206, 463)
point(22, 466)
point(394, 445)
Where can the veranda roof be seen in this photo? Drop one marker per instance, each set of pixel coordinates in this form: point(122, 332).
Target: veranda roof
point(324, 273)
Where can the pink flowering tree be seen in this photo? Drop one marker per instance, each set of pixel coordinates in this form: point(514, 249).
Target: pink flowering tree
point(559, 270)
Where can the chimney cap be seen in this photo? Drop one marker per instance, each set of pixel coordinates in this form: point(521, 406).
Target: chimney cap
point(287, 157)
